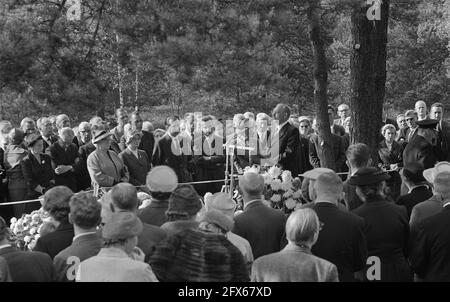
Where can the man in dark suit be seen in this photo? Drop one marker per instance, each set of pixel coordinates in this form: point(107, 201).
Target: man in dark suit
point(124, 199)
point(430, 255)
point(147, 140)
point(24, 266)
point(342, 240)
point(316, 155)
point(419, 190)
point(288, 139)
point(169, 151)
point(443, 129)
point(86, 148)
point(423, 148)
point(261, 225)
point(85, 216)
point(402, 128)
point(45, 127)
point(411, 122)
point(209, 158)
point(304, 163)
point(84, 180)
point(358, 156)
point(338, 129)
point(161, 181)
point(5, 275)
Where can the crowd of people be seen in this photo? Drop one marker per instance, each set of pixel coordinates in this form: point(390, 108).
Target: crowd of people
point(396, 211)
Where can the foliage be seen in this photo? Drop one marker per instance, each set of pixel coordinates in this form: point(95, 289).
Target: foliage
point(216, 56)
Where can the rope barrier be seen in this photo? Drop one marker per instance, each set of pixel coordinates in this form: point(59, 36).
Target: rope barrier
point(19, 202)
point(28, 201)
point(184, 183)
point(345, 173)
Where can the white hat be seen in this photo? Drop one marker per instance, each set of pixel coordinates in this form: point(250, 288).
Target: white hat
point(162, 179)
point(315, 173)
point(430, 174)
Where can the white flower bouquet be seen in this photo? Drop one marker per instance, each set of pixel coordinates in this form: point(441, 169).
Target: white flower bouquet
point(27, 229)
point(282, 191)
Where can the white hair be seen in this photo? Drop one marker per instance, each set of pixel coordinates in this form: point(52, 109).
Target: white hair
point(262, 116)
point(84, 125)
point(147, 126)
point(441, 185)
point(61, 118)
point(26, 121)
point(249, 115)
point(63, 131)
point(386, 127)
point(302, 225)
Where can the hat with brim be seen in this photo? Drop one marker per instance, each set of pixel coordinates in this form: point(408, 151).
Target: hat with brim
point(315, 173)
point(219, 219)
point(430, 174)
point(100, 135)
point(16, 136)
point(427, 124)
point(31, 139)
point(368, 176)
point(221, 202)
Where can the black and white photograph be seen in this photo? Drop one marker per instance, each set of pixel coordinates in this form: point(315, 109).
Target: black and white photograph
point(224, 146)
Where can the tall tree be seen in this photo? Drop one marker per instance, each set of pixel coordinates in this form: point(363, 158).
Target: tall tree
point(320, 74)
point(368, 71)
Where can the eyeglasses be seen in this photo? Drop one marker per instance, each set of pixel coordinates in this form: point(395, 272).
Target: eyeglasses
point(304, 126)
point(409, 119)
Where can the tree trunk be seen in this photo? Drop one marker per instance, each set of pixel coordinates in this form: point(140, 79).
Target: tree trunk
point(119, 77)
point(320, 71)
point(136, 87)
point(368, 75)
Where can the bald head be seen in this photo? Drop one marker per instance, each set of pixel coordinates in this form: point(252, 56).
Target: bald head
point(328, 187)
point(252, 185)
point(124, 197)
point(441, 185)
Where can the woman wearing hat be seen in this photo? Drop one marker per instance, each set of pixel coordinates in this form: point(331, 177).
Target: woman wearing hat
point(387, 225)
point(37, 167)
point(390, 154)
point(105, 167)
point(134, 159)
point(200, 255)
point(184, 205)
point(14, 154)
